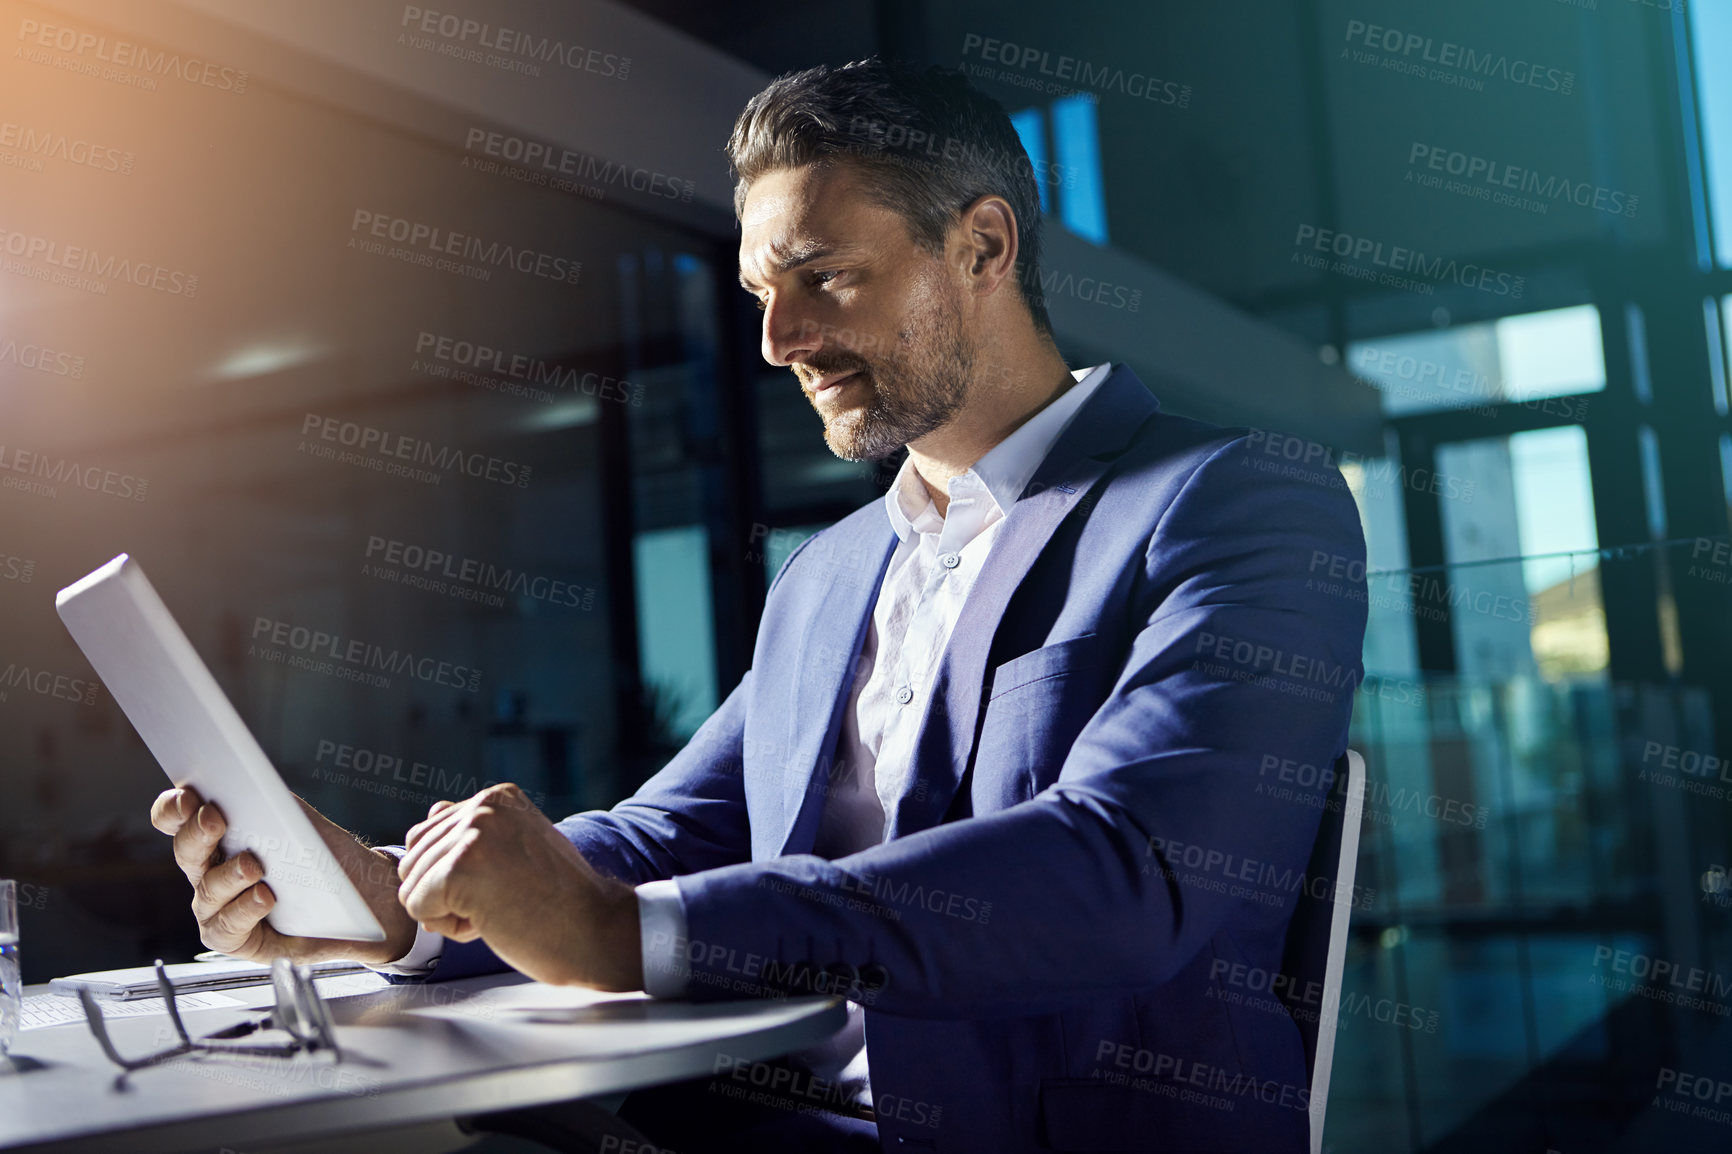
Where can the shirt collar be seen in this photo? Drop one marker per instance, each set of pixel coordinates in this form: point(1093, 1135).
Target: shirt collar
point(1004, 470)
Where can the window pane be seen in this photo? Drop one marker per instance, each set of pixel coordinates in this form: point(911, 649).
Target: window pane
point(1082, 202)
point(1032, 132)
point(1718, 362)
point(1522, 358)
point(1636, 325)
point(1539, 614)
point(1390, 647)
point(1726, 472)
point(676, 633)
point(1712, 33)
point(1551, 354)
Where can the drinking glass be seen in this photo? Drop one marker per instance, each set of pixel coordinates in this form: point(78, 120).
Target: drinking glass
point(11, 979)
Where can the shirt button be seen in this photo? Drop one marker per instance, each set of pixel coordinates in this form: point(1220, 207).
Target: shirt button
point(904, 695)
point(949, 560)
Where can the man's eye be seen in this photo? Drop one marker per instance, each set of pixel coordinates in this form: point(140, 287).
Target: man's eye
point(817, 280)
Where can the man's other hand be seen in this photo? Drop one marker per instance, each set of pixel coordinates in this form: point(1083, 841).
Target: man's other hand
point(494, 867)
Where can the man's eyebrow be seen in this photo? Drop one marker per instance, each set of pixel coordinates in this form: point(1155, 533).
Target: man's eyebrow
point(786, 257)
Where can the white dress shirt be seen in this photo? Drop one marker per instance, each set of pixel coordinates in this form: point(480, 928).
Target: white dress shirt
point(936, 562)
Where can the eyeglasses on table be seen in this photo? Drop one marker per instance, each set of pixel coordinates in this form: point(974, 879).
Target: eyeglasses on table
point(299, 1012)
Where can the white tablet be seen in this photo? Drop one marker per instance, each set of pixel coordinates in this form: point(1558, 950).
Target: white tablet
point(184, 717)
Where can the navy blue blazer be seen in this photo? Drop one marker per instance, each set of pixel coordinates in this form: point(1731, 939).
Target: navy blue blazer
point(1069, 938)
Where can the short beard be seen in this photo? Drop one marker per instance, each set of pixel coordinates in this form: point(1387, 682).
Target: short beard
point(912, 394)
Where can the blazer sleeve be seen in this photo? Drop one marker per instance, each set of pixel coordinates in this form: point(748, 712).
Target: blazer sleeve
point(1155, 835)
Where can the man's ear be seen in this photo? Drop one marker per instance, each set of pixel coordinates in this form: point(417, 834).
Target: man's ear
point(988, 236)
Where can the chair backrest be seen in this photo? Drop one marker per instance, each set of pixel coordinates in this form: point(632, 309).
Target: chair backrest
point(1315, 952)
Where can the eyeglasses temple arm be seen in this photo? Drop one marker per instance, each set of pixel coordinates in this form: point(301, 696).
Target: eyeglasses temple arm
point(319, 1013)
point(99, 1027)
point(167, 988)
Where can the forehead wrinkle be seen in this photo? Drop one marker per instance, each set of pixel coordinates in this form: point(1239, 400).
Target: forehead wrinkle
point(786, 252)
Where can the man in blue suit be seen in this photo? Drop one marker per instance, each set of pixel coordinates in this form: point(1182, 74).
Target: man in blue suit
point(1000, 772)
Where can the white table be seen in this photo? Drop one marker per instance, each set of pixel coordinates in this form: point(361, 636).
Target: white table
point(413, 1055)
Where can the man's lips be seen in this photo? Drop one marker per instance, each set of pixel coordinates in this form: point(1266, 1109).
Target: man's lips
point(833, 383)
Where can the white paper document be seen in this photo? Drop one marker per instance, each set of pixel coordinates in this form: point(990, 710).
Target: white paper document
point(59, 1010)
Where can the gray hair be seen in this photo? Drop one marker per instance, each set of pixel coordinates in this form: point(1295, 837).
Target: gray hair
point(931, 142)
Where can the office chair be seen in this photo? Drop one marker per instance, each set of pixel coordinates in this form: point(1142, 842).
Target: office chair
point(1316, 947)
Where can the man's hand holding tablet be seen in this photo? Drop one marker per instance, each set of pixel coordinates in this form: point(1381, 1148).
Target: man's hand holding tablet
point(230, 901)
point(490, 866)
point(319, 876)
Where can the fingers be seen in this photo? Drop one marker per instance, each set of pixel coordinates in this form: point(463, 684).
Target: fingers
point(429, 889)
point(435, 847)
point(441, 814)
point(221, 884)
point(172, 807)
point(428, 833)
point(434, 817)
point(504, 795)
point(453, 927)
point(423, 894)
point(237, 927)
point(197, 841)
point(228, 900)
point(429, 862)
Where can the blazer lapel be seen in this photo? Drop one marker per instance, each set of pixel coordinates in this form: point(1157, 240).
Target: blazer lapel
point(834, 635)
point(1099, 432)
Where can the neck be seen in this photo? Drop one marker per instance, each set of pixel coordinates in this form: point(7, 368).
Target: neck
point(1001, 397)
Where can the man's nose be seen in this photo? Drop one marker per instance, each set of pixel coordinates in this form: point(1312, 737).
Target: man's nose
point(790, 334)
